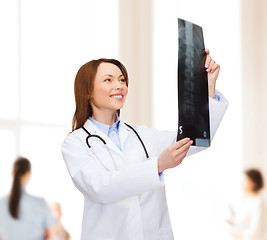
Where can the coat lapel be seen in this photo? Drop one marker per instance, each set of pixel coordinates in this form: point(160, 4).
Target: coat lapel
point(123, 135)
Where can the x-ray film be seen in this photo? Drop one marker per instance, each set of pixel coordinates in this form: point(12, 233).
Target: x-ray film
point(193, 101)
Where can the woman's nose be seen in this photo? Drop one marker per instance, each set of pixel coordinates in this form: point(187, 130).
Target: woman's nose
point(118, 86)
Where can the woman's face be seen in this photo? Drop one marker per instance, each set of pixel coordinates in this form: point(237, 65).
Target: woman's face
point(248, 184)
point(110, 88)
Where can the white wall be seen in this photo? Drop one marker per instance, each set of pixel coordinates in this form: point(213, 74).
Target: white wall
point(254, 60)
point(199, 189)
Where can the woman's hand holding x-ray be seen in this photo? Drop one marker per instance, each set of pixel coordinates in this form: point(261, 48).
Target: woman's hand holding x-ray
point(213, 70)
point(174, 154)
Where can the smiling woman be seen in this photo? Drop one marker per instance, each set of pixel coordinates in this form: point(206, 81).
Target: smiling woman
point(121, 185)
point(93, 86)
point(110, 91)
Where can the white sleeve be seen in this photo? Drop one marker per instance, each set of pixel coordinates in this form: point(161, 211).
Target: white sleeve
point(216, 110)
point(163, 139)
point(100, 185)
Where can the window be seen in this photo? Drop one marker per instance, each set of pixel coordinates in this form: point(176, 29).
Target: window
point(44, 44)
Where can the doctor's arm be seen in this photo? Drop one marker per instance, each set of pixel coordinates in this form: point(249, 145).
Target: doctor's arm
point(173, 155)
point(100, 185)
point(217, 102)
point(217, 110)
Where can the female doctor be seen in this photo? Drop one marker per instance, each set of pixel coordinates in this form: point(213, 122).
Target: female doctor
point(117, 167)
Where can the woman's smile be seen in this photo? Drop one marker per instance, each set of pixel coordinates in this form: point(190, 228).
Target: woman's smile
point(117, 96)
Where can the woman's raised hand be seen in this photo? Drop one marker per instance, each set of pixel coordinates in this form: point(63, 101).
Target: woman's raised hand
point(174, 154)
point(213, 70)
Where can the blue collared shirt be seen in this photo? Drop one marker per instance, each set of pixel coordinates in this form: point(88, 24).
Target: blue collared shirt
point(218, 98)
point(34, 214)
point(111, 131)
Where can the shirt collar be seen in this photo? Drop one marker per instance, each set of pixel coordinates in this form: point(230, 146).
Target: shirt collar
point(106, 128)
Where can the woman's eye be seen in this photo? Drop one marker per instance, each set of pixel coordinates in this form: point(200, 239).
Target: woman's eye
point(107, 80)
point(122, 80)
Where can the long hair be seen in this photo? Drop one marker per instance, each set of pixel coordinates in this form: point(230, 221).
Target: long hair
point(83, 89)
point(256, 177)
point(21, 167)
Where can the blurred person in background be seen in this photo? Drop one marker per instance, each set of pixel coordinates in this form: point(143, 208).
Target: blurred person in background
point(23, 216)
point(58, 231)
point(247, 221)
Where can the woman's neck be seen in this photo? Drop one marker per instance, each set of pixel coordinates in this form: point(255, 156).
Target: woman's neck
point(105, 117)
point(252, 193)
point(25, 179)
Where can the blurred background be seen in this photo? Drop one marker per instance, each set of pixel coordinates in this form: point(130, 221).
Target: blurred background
point(42, 46)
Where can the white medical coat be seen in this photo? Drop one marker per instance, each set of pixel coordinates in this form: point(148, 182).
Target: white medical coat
point(128, 203)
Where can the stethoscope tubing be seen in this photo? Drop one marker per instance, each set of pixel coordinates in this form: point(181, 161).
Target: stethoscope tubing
point(143, 145)
point(105, 144)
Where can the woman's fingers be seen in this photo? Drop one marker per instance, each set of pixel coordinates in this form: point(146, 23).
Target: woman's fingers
point(182, 150)
point(213, 70)
point(179, 144)
point(215, 67)
point(211, 64)
point(180, 158)
point(208, 60)
point(174, 154)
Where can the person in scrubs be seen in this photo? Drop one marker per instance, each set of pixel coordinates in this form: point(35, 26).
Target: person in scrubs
point(248, 220)
point(23, 216)
point(123, 187)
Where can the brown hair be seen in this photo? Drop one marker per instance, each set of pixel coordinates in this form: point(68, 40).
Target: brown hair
point(83, 88)
point(257, 178)
point(21, 167)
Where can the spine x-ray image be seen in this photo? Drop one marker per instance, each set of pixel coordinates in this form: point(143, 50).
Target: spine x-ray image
point(193, 102)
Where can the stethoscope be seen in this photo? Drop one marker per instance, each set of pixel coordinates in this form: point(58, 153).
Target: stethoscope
point(106, 146)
